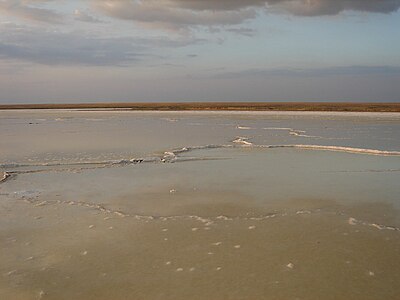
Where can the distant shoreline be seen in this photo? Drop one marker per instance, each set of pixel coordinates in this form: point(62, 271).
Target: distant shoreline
point(219, 106)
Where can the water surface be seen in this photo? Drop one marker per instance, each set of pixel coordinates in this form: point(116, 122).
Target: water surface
point(199, 205)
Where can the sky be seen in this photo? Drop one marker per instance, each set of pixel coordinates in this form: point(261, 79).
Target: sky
point(59, 51)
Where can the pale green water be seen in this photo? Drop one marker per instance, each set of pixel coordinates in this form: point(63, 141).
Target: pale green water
point(80, 219)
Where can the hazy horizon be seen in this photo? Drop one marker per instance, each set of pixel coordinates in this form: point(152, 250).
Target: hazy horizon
point(78, 102)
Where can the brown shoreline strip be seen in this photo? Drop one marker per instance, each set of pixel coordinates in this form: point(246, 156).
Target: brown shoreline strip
point(220, 106)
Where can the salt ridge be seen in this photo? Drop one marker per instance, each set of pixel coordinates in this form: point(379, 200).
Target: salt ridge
point(173, 156)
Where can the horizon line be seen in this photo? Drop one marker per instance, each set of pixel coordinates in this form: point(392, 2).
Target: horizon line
point(219, 106)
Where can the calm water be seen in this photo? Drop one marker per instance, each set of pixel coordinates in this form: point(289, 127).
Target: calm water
point(199, 205)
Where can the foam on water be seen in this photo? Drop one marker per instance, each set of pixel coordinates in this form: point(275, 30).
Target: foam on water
point(299, 134)
point(242, 141)
point(294, 132)
point(279, 128)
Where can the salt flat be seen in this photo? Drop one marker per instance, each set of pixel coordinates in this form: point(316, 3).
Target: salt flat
point(199, 205)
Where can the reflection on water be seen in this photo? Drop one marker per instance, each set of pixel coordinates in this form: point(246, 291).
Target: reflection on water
point(130, 205)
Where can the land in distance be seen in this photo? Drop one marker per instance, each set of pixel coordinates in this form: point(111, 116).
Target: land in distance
point(221, 106)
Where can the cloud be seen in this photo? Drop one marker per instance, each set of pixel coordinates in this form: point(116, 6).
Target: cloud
point(243, 31)
point(171, 15)
point(216, 5)
point(183, 14)
point(85, 17)
point(25, 9)
point(311, 72)
point(334, 7)
point(47, 47)
point(300, 7)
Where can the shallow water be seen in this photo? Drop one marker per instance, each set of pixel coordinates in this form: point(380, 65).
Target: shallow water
point(190, 205)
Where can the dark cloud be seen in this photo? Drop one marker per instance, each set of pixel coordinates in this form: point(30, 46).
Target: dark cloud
point(183, 14)
point(59, 48)
point(178, 14)
point(170, 15)
point(216, 5)
point(302, 7)
point(26, 9)
point(334, 7)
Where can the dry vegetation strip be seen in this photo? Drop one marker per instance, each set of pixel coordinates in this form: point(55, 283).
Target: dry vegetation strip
point(234, 106)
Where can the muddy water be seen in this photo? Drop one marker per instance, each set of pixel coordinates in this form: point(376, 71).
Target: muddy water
point(173, 208)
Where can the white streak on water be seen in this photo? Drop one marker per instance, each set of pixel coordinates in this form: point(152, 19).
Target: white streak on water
point(208, 221)
point(335, 149)
point(242, 141)
point(173, 156)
